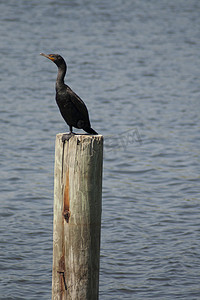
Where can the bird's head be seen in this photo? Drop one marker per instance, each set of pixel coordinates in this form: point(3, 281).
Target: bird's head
point(56, 58)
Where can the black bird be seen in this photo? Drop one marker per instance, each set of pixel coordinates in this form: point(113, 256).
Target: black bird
point(72, 108)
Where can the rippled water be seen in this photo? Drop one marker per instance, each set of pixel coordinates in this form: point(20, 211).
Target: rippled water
point(137, 66)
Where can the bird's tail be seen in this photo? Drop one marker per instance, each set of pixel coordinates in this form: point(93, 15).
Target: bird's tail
point(90, 130)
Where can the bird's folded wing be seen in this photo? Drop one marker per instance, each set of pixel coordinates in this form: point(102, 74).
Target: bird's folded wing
point(79, 104)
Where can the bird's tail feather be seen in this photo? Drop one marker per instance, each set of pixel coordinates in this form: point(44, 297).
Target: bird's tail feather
point(90, 130)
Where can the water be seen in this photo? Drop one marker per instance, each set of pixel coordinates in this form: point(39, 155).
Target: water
point(136, 65)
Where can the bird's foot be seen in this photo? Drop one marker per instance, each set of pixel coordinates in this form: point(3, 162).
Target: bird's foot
point(67, 136)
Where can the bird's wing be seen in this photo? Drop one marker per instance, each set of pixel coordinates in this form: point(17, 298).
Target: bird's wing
point(79, 104)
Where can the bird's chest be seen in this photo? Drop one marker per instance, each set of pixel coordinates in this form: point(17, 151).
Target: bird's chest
point(64, 103)
point(62, 99)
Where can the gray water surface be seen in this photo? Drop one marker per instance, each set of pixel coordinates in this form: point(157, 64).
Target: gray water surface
point(136, 64)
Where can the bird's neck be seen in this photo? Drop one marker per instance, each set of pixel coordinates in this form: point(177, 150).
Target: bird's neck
point(61, 75)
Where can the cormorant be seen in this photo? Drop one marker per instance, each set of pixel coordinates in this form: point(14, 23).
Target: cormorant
point(72, 108)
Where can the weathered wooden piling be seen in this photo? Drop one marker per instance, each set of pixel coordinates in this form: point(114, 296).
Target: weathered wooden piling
point(77, 217)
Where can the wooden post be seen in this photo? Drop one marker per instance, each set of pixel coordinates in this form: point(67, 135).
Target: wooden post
point(77, 217)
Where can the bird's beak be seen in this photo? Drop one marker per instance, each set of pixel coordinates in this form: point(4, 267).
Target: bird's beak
point(47, 56)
